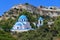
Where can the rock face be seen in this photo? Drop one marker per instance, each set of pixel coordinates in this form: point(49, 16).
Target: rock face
point(15, 10)
point(29, 8)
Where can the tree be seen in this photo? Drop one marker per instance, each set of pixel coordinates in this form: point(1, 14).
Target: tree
point(26, 3)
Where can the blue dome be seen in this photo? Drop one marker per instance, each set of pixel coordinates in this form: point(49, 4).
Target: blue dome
point(18, 24)
point(22, 17)
point(40, 18)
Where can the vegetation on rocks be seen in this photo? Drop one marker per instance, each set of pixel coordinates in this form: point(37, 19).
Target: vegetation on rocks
point(42, 33)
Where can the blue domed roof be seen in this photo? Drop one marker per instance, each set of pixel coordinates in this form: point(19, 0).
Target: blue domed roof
point(40, 18)
point(18, 24)
point(22, 17)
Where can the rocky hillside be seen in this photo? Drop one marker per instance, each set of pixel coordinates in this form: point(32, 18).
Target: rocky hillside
point(43, 33)
point(17, 9)
point(14, 12)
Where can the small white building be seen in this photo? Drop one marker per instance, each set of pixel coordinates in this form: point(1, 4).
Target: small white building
point(22, 24)
point(40, 22)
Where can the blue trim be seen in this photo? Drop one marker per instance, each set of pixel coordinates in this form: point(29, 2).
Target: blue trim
point(22, 29)
point(40, 18)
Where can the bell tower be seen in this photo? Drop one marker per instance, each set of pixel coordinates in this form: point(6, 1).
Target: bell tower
point(40, 22)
